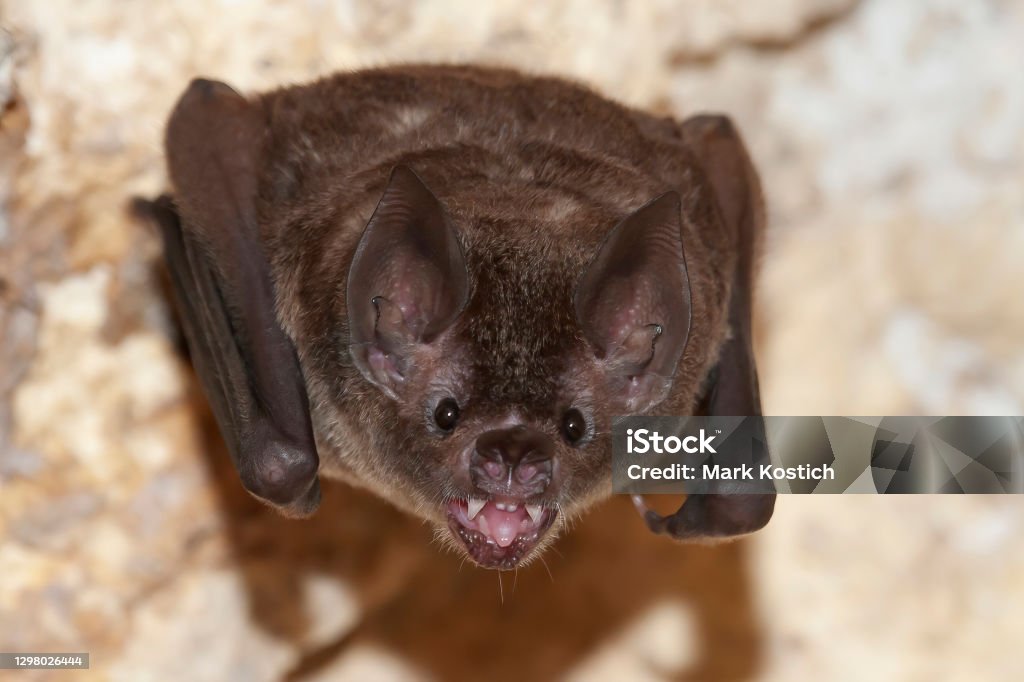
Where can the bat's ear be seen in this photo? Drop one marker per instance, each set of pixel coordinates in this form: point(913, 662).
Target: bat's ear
point(246, 363)
point(733, 388)
point(408, 282)
point(633, 304)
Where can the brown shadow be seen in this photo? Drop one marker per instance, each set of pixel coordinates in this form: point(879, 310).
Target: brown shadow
point(449, 619)
point(603, 577)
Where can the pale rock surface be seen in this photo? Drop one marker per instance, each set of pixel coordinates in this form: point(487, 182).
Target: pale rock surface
point(890, 135)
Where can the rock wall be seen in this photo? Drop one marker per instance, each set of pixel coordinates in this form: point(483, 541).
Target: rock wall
point(890, 137)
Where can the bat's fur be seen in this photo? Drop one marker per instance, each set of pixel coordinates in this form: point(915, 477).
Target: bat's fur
point(533, 174)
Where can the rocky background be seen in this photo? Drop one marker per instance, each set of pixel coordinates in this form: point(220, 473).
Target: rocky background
point(890, 136)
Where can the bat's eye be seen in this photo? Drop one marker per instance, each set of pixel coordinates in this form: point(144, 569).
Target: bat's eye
point(446, 414)
point(573, 425)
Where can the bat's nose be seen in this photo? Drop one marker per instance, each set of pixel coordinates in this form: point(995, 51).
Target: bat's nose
point(516, 461)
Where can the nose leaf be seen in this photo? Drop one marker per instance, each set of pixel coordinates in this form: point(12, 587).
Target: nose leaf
point(515, 462)
point(526, 472)
point(495, 470)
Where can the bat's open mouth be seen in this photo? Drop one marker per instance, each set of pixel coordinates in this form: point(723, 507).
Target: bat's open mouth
point(499, 532)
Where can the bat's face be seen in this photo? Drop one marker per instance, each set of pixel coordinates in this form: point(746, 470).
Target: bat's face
point(501, 366)
point(498, 461)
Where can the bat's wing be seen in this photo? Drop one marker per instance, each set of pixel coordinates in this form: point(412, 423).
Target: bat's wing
point(734, 389)
point(246, 363)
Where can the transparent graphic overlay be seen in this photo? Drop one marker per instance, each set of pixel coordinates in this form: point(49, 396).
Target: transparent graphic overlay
point(742, 455)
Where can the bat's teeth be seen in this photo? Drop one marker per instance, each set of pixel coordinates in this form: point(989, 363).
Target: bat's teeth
point(511, 507)
point(535, 512)
point(473, 507)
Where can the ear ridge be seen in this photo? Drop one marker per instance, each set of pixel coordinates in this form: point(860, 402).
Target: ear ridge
point(408, 281)
point(633, 301)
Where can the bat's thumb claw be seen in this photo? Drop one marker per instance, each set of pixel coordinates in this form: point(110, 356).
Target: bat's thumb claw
point(655, 521)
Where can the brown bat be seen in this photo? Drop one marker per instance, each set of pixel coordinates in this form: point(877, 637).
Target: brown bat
point(441, 283)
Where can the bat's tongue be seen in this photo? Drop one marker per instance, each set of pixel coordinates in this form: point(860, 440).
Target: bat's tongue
point(503, 526)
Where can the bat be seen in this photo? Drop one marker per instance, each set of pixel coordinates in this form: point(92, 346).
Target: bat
point(440, 283)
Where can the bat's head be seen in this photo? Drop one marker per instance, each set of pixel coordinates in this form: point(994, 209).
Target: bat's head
point(496, 357)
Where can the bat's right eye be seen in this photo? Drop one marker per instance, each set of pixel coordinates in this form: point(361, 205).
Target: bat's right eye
point(446, 414)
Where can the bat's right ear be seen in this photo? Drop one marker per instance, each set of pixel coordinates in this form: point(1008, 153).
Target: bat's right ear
point(408, 282)
point(246, 363)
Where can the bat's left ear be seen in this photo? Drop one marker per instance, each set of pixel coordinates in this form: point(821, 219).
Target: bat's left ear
point(633, 304)
point(733, 387)
point(246, 363)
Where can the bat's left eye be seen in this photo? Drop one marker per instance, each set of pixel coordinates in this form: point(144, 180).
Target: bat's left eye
point(446, 414)
point(574, 426)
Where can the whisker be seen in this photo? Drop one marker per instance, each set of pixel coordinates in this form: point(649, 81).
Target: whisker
point(546, 568)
